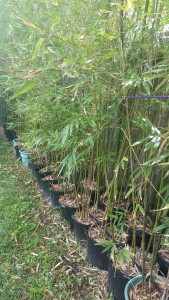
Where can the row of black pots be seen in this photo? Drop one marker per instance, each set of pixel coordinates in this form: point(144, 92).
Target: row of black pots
point(94, 252)
point(80, 228)
point(35, 171)
point(94, 256)
point(46, 186)
point(116, 279)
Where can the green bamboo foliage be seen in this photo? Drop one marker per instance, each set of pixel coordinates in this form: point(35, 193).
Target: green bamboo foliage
point(65, 64)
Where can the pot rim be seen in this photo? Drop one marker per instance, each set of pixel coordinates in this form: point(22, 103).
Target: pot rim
point(130, 284)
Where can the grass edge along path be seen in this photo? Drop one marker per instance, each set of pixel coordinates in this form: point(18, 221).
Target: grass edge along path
point(39, 257)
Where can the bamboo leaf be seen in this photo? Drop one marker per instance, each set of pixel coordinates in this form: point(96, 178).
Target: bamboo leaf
point(156, 160)
point(152, 145)
point(119, 5)
point(107, 248)
point(138, 174)
point(163, 208)
point(37, 48)
point(106, 243)
point(117, 170)
point(161, 83)
point(164, 164)
point(28, 23)
point(24, 89)
point(165, 188)
point(140, 141)
point(160, 227)
point(122, 164)
point(112, 216)
point(127, 253)
point(141, 209)
point(129, 192)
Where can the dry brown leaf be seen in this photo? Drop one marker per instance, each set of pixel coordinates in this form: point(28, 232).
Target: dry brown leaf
point(56, 266)
point(37, 268)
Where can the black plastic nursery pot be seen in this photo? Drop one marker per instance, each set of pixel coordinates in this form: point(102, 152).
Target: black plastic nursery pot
point(116, 281)
point(46, 184)
point(95, 255)
point(16, 144)
point(54, 197)
point(93, 195)
point(41, 181)
point(81, 230)
point(164, 264)
point(17, 153)
point(66, 213)
point(39, 176)
point(139, 234)
point(34, 167)
point(9, 133)
point(101, 205)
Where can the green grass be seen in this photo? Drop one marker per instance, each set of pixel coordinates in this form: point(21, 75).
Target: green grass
point(39, 257)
